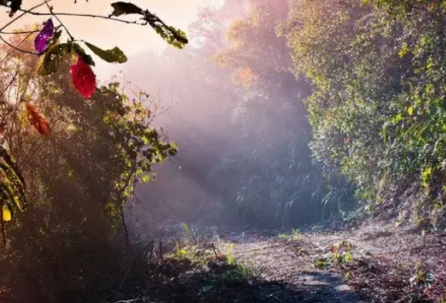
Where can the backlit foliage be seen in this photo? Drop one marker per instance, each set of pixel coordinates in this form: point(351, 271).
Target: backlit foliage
point(55, 52)
point(78, 177)
point(377, 74)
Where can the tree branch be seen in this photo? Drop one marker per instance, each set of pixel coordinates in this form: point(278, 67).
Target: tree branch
point(30, 11)
point(20, 32)
point(80, 15)
point(18, 48)
point(10, 51)
point(58, 19)
point(121, 210)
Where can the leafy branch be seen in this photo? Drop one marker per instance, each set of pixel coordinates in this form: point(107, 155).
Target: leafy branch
point(170, 34)
point(53, 52)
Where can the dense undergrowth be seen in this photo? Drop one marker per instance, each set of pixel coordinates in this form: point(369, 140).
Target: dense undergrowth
point(196, 265)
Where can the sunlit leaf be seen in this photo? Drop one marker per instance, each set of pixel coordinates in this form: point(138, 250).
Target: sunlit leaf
point(171, 35)
point(125, 8)
point(404, 50)
point(114, 55)
point(37, 121)
point(54, 58)
point(80, 52)
point(6, 213)
point(410, 110)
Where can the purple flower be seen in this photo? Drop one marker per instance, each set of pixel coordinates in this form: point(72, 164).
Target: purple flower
point(42, 40)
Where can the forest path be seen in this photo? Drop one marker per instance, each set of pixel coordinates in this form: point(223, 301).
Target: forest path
point(383, 261)
point(291, 263)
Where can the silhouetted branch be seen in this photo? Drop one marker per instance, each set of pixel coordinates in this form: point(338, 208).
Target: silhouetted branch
point(10, 52)
point(50, 8)
point(31, 12)
point(18, 48)
point(20, 32)
point(125, 226)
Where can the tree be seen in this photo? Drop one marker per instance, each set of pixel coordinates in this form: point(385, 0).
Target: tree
point(377, 103)
point(52, 51)
point(78, 169)
point(79, 173)
point(278, 175)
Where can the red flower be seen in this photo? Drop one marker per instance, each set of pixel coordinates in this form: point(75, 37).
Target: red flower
point(83, 77)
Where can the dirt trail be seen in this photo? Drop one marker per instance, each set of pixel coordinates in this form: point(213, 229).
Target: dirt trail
point(292, 264)
point(384, 258)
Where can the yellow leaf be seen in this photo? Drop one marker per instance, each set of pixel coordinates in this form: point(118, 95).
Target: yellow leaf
point(6, 213)
point(410, 110)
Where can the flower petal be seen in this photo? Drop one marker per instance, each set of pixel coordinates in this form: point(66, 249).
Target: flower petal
point(41, 42)
point(83, 78)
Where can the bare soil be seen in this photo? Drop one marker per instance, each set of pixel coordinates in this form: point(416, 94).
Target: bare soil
point(382, 269)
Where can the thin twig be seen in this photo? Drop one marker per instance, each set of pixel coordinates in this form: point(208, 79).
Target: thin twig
point(30, 11)
point(80, 15)
point(15, 106)
point(129, 267)
point(58, 19)
point(151, 251)
point(215, 251)
point(10, 83)
point(19, 32)
point(18, 48)
point(11, 50)
point(125, 226)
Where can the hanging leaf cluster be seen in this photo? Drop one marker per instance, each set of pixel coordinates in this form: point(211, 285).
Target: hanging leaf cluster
point(54, 53)
point(47, 44)
point(171, 35)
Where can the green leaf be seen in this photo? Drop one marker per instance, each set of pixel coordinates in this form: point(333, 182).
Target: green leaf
point(348, 257)
point(171, 35)
point(410, 110)
point(145, 179)
point(114, 55)
point(81, 52)
point(404, 50)
point(125, 8)
point(53, 58)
